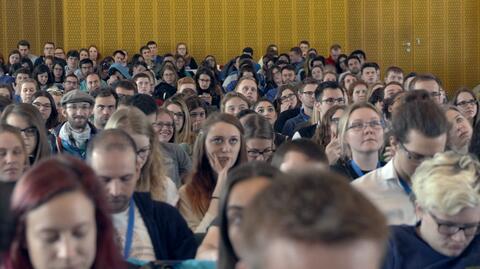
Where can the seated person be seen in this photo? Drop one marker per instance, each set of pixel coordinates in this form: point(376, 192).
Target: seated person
point(61, 219)
point(311, 220)
point(298, 154)
point(157, 230)
point(447, 204)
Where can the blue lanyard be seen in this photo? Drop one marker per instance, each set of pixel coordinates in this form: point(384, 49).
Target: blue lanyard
point(357, 169)
point(405, 186)
point(129, 232)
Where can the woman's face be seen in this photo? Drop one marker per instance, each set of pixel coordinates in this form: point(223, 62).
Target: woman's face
point(178, 116)
point(92, 51)
point(44, 106)
point(12, 157)
point(240, 196)
point(249, 89)
point(62, 233)
point(259, 149)
point(204, 81)
point(14, 58)
point(364, 131)
point(57, 71)
point(49, 63)
point(467, 104)
point(144, 148)
point(5, 93)
point(84, 55)
point(267, 110)
point(197, 116)
point(42, 78)
point(317, 73)
point(277, 76)
point(461, 131)
point(359, 93)
point(29, 132)
point(163, 127)
point(288, 96)
point(27, 91)
point(180, 63)
point(169, 76)
point(182, 49)
point(235, 105)
point(222, 144)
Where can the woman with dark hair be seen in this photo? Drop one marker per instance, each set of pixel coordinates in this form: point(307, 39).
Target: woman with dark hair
point(287, 104)
point(465, 100)
point(168, 82)
point(58, 73)
point(259, 137)
point(326, 132)
point(45, 104)
point(183, 50)
point(180, 65)
point(197, 110)
point(7, 91)
point(210, 62)
point(43, 76)
point(207, 87)
point(59, 204)
point(28, 119)
point(219, 146)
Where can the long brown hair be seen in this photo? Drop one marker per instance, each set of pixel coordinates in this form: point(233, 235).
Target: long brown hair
point(201, 183)
point(323, 133)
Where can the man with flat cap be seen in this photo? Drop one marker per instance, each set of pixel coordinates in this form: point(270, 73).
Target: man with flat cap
point(72, 136)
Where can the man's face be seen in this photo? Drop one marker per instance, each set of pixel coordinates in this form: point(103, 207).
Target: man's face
point(24, 50)
point(409, 155)
point(391, 90)
point(146, 53)
point(284, 253)
point(335, 53)
point(307, 96)
point(72, 62)
point(294, 57)
point(49, 50)
point(432, 87)
point(86, 69)
point(21, 77)
point(118, 58)
point(369, 75)
point(394, 76)
point(70, 84)
point(288, 76)
point(354, 66)
point(153, 49)
point(330, 98)
point(77, 114)
point(118, 171)
point(93, 82)
point(103, 110)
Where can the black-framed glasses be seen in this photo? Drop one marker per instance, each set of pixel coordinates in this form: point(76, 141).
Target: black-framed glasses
point(332, 101)
point(255, 153)
point(413, 156)
point(286, 97)
point(29, 131)
point(467, 102)
point(360, 126)
point(448, 228)
point(143, 152)
point(160, 125)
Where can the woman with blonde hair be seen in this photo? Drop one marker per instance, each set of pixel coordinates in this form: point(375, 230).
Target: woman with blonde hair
point(152, 177)
point(446, 192)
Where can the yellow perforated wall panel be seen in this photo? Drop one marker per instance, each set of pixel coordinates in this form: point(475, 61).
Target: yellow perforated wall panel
point(444, 35)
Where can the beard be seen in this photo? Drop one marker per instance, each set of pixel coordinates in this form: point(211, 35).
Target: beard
point(118, 203)
point(78, 123)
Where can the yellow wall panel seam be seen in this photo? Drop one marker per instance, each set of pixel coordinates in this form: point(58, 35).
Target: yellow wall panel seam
point(3, 20)
point(119, 27)
point(208, 21)
point(136, 11)
point(101, 29)
point(83, 23)
point(190, 40)
point(156, 34)
point(242, 12)
point(259, 38)
point(380, 39)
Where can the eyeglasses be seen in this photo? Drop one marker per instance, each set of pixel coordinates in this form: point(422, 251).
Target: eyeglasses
point(39, 105)
point(255, 153)
point(359, 126)
point(29, 131)
point(143, 152)
point(332, 101)
point(197, 114)
point(449, 229)
point(160, 125)
point(466, 103)
point(285, 97)
point(415, 156)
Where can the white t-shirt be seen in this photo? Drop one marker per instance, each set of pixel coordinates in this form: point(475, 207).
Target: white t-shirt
point(142, 248)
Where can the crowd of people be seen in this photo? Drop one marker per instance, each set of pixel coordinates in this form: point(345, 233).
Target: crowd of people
point(294, 160)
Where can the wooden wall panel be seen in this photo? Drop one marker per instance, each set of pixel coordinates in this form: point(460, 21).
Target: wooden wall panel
point(444, 35)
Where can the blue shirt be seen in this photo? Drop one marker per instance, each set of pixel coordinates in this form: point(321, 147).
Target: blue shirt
point(290, 125)
point(406, 249)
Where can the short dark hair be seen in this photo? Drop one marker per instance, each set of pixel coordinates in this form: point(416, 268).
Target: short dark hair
point(361, 52)
point(126, 84)
point(424, 77)
point(85, 61)
point(307, 147)
point(288, 67)
point(119, 51)
point(393, 69)
point(73, 53)
point(144, 48)
point(144, 102)
point(297, 50)
point(370, 65)
point(151, 42)
point(326, 85)
point(314, 207)
point(23, 43)
point(105, 92)
point(22, 71)
point(71, 75)
point(352, 57)
point(417, 111)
